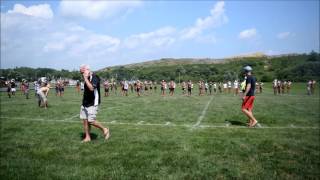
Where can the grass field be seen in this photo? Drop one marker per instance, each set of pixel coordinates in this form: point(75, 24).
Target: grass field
point(154, 137)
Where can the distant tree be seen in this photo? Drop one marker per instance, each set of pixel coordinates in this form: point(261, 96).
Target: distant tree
point(313, 56)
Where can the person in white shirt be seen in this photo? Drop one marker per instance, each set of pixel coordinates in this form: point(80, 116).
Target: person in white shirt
point(126, 87)
point(229, 86)
point(215, 87)
point(236, 87)
point(225, 86)
point(275, 86)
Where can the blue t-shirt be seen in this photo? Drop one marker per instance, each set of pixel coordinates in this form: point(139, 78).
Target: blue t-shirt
point(251, 80)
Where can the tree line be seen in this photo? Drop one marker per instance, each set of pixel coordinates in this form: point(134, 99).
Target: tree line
point(299, 67)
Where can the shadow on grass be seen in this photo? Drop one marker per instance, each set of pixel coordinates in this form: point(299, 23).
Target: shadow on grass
point(235, 122)
point(92, 135)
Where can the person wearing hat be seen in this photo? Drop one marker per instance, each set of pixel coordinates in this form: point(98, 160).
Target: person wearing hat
point(248, 96)
point(163, 87)
point(43, 93)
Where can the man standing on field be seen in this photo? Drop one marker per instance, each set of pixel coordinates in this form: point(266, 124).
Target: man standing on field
point(248, 97)
point(90, 102)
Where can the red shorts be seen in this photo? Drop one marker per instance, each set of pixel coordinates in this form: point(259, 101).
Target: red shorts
point(248, 103)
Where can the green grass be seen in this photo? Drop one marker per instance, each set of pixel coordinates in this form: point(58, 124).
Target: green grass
point(45, 144)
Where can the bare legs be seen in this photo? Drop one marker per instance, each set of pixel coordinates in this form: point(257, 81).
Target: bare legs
point(252, 119)
point(86, 127)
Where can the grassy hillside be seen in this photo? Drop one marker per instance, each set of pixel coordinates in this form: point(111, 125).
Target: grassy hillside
point(291, 67)
point(294, 67)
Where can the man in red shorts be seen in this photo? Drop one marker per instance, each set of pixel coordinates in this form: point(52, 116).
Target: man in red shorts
point(248, 96)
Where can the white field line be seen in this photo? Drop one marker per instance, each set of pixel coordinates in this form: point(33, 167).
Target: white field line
point(77, 115)
point(164, 125)
point(203, 113)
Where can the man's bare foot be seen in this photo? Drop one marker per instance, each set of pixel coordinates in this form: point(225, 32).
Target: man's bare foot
point(106, 133)
point(253, 124)
point(85, 140)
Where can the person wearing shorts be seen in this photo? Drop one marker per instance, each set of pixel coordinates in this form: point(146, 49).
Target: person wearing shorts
point(90, 102)
point(210, 87)
point(275, 86)
point(13, 87)
point(189, 85)
point(43, 94)
point(215, 87)
point(138, 86)
point(163, 88)
point(61, 89)
point(8, 84)
point(26, 89)
point(172, 86)
point(229, 87)
point(236, 87)
point(183, 87)
point(106, 88)
point(125, 88)
point(248, 97)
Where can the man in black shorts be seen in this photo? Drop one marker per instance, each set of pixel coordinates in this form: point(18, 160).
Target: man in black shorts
point(90, 102)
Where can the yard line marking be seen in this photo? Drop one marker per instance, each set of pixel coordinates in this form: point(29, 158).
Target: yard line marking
point(165, 125)
point(77, 115)
point(203, 113)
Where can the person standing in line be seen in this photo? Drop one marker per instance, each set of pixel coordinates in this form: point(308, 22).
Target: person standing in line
point(210, 87)
point(229, 87)
point(90, 102)
point(190, 86)
point(249, 96)
point(215, 87)
point(163, 88)
point(309, 87)
point(106, 88)
point(8, 84)
point(313, 86)
point(138, 88)
point(220, 87)
point(13, 87)
point(236, 87)
point(26, 88)
point(275, 86)
point(206, 87)
point(289, 86)
point(172, 86)
point(125, 88)
point(279, 87)
point(184, 87)
point(43, 93)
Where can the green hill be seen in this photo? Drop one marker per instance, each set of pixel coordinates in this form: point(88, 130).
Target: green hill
point(295, 67)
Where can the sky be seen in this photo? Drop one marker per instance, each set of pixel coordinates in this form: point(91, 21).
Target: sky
point(66, 34)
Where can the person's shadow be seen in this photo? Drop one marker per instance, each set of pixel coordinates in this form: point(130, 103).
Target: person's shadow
point(235, 122)
point(92, 135)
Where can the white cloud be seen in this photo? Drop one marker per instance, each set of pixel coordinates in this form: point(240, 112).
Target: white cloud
point(248, 34)
point(78, 43)
point(159, 38)
point(40, 11)
point(217, 18)
point(285, 35)
point(95, 9)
